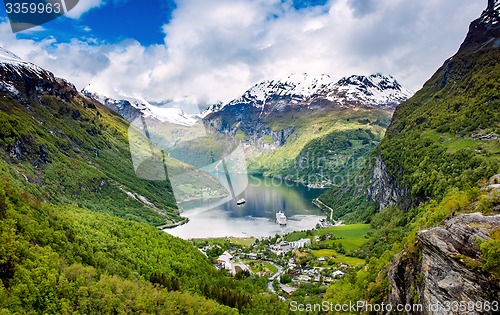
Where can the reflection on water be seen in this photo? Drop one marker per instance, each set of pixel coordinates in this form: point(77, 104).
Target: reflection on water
point(265, 197)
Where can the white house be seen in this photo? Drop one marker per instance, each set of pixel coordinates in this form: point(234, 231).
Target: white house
point(226, 260)
point(304, 242)
point(282, 247)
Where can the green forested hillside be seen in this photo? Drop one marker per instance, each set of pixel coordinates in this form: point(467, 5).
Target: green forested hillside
point(446, 136)
point(332, 159)
point(441, 147)
point(76, 222)
point(325, 146)
point(394, 233)
point(65, 260)
point(439, 138)
point(76, 152)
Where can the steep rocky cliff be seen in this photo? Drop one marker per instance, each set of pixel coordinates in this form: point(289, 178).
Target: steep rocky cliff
point(383, 188)
point(446, 269)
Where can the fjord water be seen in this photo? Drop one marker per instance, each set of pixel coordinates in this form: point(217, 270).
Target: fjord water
point(257, 217)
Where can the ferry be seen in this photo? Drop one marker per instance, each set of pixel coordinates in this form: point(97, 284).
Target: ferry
point(281, 218)
point(241, 201)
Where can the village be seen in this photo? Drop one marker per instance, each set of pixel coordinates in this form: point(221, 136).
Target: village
point(304, 259)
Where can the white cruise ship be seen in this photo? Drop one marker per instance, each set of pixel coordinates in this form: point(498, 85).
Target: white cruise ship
point(281, 218)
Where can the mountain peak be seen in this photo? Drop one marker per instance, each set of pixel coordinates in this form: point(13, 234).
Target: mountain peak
point(296, 87)
point(374, 90)
point(8, 56)
point(485, 29)
point(491, 14)
point(305, 78)
point(357, 90)
point(9, 59)
point(20, 78)
point(133, 108)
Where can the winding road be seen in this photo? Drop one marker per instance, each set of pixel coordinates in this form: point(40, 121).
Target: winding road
point(271, 279)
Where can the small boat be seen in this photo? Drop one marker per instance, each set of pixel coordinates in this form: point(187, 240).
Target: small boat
point(281, 218)
point(241, 201)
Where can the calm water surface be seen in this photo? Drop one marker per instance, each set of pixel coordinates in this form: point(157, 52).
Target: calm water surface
point(265, 197)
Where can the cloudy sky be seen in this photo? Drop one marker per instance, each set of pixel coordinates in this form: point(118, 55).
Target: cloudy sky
point(213, 50)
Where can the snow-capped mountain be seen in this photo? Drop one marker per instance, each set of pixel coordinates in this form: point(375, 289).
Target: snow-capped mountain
point(172, 115)
point(375, 90)
point(133, 108)
point(297, 96)
point(9, 58)
point(296, 87)
point(20, 78)
point(211, 109)
point(23, 74)
point(296, 90)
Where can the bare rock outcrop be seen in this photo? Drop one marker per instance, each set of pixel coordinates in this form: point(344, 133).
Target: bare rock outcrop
point(446, 270)
point(384, 189)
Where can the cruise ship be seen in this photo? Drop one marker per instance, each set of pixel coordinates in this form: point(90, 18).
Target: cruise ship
point(281, 218)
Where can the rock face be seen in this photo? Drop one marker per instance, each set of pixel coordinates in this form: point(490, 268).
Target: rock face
point(24, 80)
point(485, 29)
point(383, 188)
point(446, 268)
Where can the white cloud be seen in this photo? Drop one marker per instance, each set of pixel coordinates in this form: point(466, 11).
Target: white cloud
point(216, 49)
point(84, 6)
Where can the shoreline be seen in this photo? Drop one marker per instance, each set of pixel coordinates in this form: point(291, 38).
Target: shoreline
point(173, 225)
point(196, 199)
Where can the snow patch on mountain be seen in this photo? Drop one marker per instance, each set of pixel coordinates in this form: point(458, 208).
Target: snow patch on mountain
point(172, 115)
point(13, 64)
point(298, 87)
point(374, 90)
point(8, 56)
point(211, 109)
point(161, 113)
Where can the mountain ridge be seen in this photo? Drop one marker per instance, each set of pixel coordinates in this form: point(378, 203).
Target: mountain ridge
point(134, 108)
point(67, 148)
point(375, 90)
